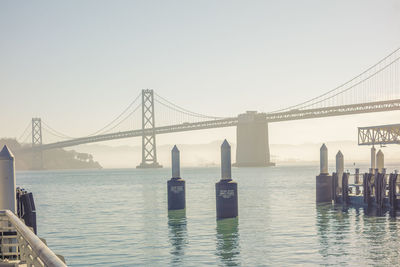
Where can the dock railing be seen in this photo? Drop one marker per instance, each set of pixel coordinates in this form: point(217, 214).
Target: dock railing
point(19, 243)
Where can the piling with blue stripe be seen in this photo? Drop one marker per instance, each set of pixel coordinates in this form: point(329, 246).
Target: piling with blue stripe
point(176, 186)
point(226, 188)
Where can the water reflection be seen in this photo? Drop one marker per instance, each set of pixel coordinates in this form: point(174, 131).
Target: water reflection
point(333, 227)
point(228, 241)
point(323, 225)
point(371, 232)
point(177, 234)
point(374, 211)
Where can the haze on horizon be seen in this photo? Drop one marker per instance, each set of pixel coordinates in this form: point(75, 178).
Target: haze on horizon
point(77, 64)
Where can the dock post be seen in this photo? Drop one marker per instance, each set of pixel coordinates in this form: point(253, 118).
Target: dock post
point(324, 180)
point(380, 161)
point(226, 188)
point(357, 181)
point(176, 186)
point(8, 190)
point(334, 188)
point(345, 188)
point(380, 189)
point(392, 191)
point(366, 187)
point(373, 159)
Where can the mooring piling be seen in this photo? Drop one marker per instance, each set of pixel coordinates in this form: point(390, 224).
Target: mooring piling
point(226, 188)
point(373, 159)
point(7, 181)
point(392, 191)
point(379, 190)
point(324, 180)
point(176, 186)
point(340, 167)
point(357, 181)
point(323, 159)
point(345, 188)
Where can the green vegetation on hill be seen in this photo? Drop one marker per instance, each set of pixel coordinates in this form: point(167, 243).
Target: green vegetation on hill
point(53, 159)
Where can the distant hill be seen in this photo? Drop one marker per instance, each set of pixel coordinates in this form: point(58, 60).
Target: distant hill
point(53, 159)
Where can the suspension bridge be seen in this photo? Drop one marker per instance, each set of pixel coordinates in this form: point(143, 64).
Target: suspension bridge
point(376, 89)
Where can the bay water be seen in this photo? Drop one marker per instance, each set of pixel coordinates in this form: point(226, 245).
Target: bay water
point(119, 217)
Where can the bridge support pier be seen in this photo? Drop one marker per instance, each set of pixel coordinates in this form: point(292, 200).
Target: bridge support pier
point(252, 146)
point(149, 149)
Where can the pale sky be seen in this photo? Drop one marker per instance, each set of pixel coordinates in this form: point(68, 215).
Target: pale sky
point(78, 64)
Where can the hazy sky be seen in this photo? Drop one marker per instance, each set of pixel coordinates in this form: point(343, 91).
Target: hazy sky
point(77, 64)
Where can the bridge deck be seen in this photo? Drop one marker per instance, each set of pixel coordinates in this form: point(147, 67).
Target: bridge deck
point(378, 106)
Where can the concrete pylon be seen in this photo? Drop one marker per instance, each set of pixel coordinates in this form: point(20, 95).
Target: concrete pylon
point(323, 159)
point(380, 161)
point(252, 145)
point(7, 181)
point(339, 167)
point(373, 159)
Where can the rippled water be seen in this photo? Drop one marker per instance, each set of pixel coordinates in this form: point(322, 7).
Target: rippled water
point(120, 218)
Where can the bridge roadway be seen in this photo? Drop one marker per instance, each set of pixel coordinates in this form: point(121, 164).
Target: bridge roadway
point(369, 107)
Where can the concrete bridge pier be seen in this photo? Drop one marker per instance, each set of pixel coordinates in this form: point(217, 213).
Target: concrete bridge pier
point(252, 145)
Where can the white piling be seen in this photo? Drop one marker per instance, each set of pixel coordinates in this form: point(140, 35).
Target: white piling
point(323, 182)
point(339, 167)
point(380, 161)
point(323, 159)
point(175, 158)
point(7, 181)
point(226, 161)
point(373, 159)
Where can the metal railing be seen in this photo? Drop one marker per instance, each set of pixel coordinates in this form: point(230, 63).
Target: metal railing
point(18, 242)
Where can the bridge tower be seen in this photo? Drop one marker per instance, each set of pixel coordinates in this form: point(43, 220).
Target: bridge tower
point(37, 155)
point(149, 152)
point(252, 149)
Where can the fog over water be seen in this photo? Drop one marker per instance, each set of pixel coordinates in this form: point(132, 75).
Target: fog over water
point(208, 154)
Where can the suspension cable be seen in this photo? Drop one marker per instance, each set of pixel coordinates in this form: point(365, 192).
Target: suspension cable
point(119, 116)
point(340, 86)
point(57, 133)
point(183, 110)
point(24, 132)
point(354, 85)
point(126, 117)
